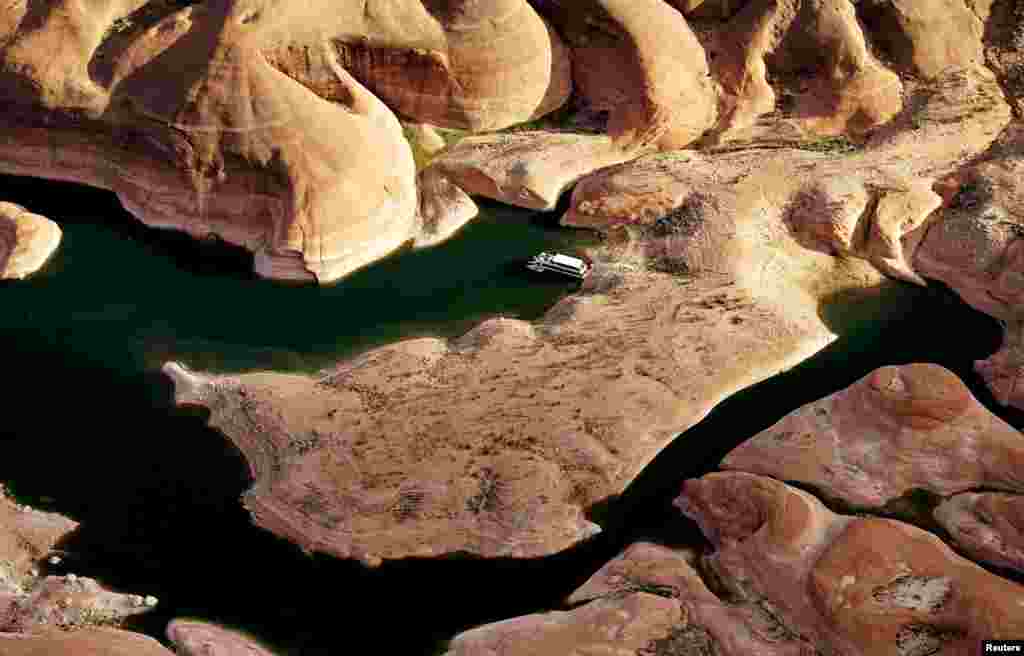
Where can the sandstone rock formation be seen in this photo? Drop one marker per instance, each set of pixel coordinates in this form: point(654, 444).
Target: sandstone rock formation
point(526, 169)
point(33, 608)
point(26, 537)
point(68, 602)
point(988, 526)
point(896, 430)
point(270, 141)
point(810, 61)
point(682, 616)
point(624, 625)
point(847, 584)
point(710, 295)
point(461, 64)
point(975, 246)
point(443, 208)
point(87, 642)
point(640, 61)
point(27, 241)
point(193, 638)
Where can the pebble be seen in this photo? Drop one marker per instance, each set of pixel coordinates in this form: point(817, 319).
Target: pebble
point(54, 560)
point(150, 601)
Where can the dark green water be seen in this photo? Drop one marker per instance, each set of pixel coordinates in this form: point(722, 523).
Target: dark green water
point(88, 429)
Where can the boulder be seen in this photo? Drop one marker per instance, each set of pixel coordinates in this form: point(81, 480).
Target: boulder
point(847, 584)
point(27, 241)
point(896, 430)
point(192, 638)
point(988, 526)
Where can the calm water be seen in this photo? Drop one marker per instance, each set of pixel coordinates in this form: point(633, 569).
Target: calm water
point(88, 429)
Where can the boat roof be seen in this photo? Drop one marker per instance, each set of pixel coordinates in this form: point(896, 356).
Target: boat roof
point(567, 261)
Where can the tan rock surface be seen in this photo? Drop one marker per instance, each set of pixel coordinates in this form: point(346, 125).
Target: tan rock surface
point(988, 526)
point(26, 537)
point(895, 430)
point(724, 626)
point(823, 78)
point(270, 141)
point(460, 64)
point(192, 638)
point(443, 208)
point(975, 245)
point(87, 642)
point(500, 442)
point(69, 602)
point(857, 585)
point(625, 625)
point(928, 37)
point(27, 241)
point(526, 169)
point(551, 417)
point(639, 60)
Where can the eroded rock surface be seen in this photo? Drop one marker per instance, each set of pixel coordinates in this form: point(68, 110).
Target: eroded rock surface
point(852, 584)
point(27, 536)
point(526, 169)
point(707, 294)
point(27, 241)
point(640, 61)
point(896, 430)
point(271, 140)
point(989, 526)
point(623, 625)
point(87, 642)
point(192, 638)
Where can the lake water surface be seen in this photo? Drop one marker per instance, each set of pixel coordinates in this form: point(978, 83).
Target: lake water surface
point(88, 428)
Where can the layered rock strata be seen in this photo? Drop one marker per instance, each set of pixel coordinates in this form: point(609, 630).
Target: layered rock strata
point(272, 140)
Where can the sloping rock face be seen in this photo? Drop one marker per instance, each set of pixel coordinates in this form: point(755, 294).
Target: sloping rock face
point(462, 64)
point(26, 536)
point(809, 61)
point(624, 625)
point(27, 241)
point(640, 61)
point(193, 638)
point(975, 246)
point(708, 624)
point(270, 140)
point(988, 526)
point(848, 584)
point(896, 430)
point(87, 642)
point(526, 169)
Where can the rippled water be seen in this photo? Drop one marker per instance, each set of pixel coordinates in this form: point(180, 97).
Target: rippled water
point(88, 429)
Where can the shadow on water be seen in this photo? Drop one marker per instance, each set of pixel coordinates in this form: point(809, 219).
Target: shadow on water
point(88, 429)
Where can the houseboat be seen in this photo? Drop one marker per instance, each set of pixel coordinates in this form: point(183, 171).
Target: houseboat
point(565, 265)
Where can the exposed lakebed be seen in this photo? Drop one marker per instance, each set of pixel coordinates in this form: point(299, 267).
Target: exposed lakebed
point(89, 430)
